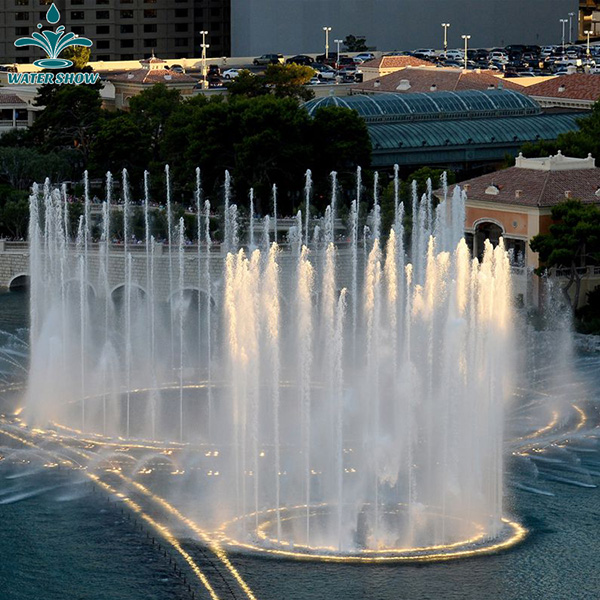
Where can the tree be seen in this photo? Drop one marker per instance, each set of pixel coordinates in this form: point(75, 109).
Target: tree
point(354, 43)
point(79, 55)
point(70, 118)
point(150, 111)
point(572, 242)
point(280, 80)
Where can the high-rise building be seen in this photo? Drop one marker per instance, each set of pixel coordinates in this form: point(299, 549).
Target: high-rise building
point(122, 29)
point(291, 26)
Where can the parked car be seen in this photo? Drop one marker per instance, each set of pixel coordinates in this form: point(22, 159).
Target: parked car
point(454, 55)
point(314, 81)
point(300, 59)
point(499, 56)
point(268, 59)
point(177, 69)
point(424, 53)
point(324, 71)
point(365, 56)
point(231, 73)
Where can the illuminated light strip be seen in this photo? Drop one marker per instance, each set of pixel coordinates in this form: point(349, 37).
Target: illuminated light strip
point(583, 417)
point(161, 529)
point(518, 534)
point(210, 541)
point(260, 533)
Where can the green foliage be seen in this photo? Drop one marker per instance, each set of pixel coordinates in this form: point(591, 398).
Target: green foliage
point(354, 43)
point(21, 167)
point(70, 119)
point(588, 316)
point(80, 55)
point(280, 80)
point(572, 241)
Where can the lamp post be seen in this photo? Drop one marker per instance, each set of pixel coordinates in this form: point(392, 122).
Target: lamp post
point(466, 38)
point(563, 22)
point(445, 26)
point(588, 33)
point(204, 46)
point(338, 42)
point(326, 30)
point(571, 15)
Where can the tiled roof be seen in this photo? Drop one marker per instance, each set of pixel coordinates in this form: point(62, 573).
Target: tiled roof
point(152, 76)
point(448, 80)
point(527, 187)
point(579, 86)
point(395, 62)
point(7, 98)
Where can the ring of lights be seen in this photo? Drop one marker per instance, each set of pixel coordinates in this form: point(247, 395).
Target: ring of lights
point(257, 541)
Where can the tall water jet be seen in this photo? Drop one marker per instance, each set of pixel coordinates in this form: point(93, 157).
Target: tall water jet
point(307, 193)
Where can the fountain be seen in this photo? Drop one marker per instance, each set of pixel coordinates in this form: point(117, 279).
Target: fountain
point(355, 400)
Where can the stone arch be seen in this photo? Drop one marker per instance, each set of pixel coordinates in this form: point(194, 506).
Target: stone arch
point(486, 230)
point(76, 281)
point(194, 289)
point(19, 282)
point(119, 289)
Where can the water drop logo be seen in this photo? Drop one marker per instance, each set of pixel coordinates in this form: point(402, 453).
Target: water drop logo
point(53, 42)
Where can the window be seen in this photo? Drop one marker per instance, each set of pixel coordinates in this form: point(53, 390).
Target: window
point(126, 43)
point(150, 13)
point(181, 42)
point(126, 28)
point(181, 12)
point(126, 56)
point(150, 42)
point(103, 44)
point(102, 29)
point(22, 16)
point(78, 29)
point(21, 30)
point(77, 15)
point(102, 14)
point(103, 57)
point(21, 2)
point(152, 28)
point(46, 2)
point(102, 1)
point(215, 12)
point(126, 14)
point(74, 2)
point(181, 27)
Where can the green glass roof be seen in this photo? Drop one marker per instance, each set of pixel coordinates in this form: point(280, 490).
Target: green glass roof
point(504, 130)
point(469, 104)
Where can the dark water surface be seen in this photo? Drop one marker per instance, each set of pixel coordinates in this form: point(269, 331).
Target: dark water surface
point(61, 541)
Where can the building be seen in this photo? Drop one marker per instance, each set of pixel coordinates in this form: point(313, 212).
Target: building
point(153, 71)
point(124, 30)
point(384, 65)
point(432, 79)
point(457, 130)
point(516, 204)
point(292, 26)
point(578, 91)
point(15, 113)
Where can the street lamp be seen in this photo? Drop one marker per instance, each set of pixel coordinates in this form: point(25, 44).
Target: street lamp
point(326, 30)
point(571, 15)
point(338, 42)
point(445, 26)
point(466, 38)
point(588, 33)
point(204, 46)
point(563, 22)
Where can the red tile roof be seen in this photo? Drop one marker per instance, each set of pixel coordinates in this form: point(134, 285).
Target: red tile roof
point(152, 76)
point(446, 80)
point(579, 86)
point(392, 62)
point(7, 98)
point(528, 187)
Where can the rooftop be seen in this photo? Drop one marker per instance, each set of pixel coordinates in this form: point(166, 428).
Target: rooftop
point(394, 62)
point(428, 79)
point(578, 86)
point(536, 187)
point(559, 162)
point(432, 105)
point(8, 98)
point(152, 71)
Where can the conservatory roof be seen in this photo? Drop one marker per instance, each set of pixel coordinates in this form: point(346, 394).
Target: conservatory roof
point(431, 106)
point(493, 131)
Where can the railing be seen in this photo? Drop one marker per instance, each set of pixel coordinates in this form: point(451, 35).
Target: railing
point(591, 271)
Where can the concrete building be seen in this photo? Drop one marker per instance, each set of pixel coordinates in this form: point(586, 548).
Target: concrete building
point(291, 26)
point(124, 30)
